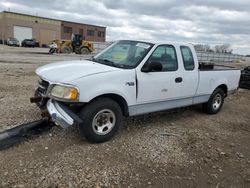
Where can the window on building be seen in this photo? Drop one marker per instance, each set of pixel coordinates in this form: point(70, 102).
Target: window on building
point(90, 32)
point(187, 58)
point(81, 32)
point(101, 34)
point(166, 55)
point(67, 29)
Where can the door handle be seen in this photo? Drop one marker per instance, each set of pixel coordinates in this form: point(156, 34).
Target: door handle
point(178, 79)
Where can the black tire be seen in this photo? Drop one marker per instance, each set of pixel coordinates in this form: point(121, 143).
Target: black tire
point(84, 51)
point(66, 50)
point(211, 107)
point(77, 50)
point(88, 128)
point(52, 50)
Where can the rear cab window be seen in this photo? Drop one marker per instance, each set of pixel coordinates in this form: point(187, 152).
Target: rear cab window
point(187, 57)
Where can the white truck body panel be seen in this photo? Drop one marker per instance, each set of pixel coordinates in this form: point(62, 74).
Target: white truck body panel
point(209, 80)
point(144, 92)
point(115, 82)
point(65, 72)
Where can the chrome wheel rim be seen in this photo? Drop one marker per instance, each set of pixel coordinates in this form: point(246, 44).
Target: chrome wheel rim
point(217, 101)
point(103, 122)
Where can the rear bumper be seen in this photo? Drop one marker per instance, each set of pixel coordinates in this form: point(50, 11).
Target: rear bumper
point(58, 114)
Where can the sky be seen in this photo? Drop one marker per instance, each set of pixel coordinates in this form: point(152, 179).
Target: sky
point(194, 21)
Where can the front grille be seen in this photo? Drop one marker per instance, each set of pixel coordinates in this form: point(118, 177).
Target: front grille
point(43, 87)
point(44, 83)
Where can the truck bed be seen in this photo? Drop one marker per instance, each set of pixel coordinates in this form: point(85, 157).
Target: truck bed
point(210, 78)
point(212, 67)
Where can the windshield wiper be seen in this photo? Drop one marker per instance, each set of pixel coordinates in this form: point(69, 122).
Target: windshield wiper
point(110, 63)
point(103, 61)
point(106, 62)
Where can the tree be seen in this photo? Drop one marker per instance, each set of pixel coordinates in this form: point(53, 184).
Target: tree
point(224, 48)
point(203, 48)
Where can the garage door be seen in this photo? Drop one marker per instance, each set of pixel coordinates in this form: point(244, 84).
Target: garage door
point(47, 36)
point(21, 33)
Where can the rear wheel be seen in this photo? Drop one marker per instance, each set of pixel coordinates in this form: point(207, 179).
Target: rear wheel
point(215, 103)
point(85, 50)
point(101, 120)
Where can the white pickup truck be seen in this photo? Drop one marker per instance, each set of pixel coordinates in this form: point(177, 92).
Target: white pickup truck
point(130, 78)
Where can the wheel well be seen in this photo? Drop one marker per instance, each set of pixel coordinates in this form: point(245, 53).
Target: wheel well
point(224, 88)
point(119, 99)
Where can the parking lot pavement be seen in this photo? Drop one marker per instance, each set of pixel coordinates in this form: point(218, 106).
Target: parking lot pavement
point(34, 55)
point(170, 149)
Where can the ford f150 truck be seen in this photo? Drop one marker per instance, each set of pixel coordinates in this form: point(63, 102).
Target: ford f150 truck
point(130, 78)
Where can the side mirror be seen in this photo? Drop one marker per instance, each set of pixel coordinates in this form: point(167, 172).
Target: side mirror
point(152, 66)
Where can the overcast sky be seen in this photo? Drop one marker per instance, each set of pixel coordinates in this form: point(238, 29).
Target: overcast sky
point(208, 21)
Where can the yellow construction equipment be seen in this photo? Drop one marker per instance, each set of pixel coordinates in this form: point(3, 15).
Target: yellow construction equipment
point(76, 45)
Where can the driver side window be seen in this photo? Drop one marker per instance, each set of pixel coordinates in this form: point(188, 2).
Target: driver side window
point(166, 55)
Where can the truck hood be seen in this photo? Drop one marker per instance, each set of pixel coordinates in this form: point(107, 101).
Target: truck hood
point(66, 71)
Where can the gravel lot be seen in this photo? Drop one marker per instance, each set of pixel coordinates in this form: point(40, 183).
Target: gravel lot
point(170, 149)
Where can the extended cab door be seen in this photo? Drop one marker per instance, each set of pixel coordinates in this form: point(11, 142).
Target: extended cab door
point(171, 87)
point(190, 75)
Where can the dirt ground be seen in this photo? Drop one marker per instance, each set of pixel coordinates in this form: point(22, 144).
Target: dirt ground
point(169, 149)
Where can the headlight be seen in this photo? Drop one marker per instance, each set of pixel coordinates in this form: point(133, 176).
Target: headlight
point(64, 92)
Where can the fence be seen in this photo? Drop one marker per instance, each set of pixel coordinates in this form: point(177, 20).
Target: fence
point(221, 57)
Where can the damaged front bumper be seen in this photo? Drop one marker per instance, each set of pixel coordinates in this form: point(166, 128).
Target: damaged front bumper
point(61, 115)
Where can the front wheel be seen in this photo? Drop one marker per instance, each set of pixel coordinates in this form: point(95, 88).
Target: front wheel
point(101, 120)
point(215, 103)
point(66, 50)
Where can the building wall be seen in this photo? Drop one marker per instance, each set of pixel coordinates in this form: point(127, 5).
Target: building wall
point(44, 29)
point(38, 25)
point(67, 28)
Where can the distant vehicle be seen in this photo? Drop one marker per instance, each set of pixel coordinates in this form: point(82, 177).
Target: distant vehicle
point(245, 78)
point(77, 44)
point(13, 42)
point(130, 78)
point(30, 43)
point(53, 48)
point(37, 44)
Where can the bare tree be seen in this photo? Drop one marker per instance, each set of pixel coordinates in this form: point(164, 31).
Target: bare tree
point(203, 48)
point(224, 48)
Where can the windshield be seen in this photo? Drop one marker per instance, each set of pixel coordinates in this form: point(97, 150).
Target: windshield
point(124, 54)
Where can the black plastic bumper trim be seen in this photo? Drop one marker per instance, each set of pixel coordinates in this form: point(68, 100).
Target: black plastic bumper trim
point(74, 116)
